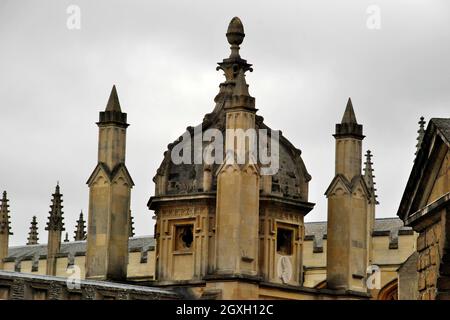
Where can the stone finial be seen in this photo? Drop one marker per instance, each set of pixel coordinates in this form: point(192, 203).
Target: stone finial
point(234, 63)
point(55, 220)
point(235, 35)
point(5, 224)
point(421, 133)
point(131, 228)
point(66, 239)
point(33, 234)
point(368, 175)
point(80, 229)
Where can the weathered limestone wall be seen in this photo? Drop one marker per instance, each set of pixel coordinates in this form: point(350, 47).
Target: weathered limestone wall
point(272, 263)
point(178, 259)
point(430, 249)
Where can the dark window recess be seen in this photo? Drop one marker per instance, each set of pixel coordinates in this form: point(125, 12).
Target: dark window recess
point(184, 237)
point(174, 176)
point(284, 241)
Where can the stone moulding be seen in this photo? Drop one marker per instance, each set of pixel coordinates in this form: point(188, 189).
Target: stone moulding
point(429, 214)
point(21, 288)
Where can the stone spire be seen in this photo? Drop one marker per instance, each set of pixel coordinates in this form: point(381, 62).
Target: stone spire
point(349, 216)
point(109, 198)
point(33, 235)
point(80, 232)
point(5, 229)
point(113, 113)
point(349, 126)
point(131, 233)
point(349, 114)
point(368, 175)
point(55, 226)
point(349, 136)
point(113, 101)
point(421, 133)
point(66, 239)
point(5, 225)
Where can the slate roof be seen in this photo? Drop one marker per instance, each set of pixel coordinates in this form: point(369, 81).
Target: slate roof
point(383, 226)
point(425, 156)
point(74, 248)
point(391, 227)
point(313, 231)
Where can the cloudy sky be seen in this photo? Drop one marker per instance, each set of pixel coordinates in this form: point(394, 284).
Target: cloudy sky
point(308, 57)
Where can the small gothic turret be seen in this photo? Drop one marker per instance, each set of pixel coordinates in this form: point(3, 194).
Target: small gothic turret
point(348, 212)
point(33, 236)
point(421, 133)
point(80, 232)
point(109, 198)
point(55, 226)
point(349, 135)
point(5, 228)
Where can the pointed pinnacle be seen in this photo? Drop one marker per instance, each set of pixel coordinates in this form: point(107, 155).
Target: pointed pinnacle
point(113, 101)
point(421, 133)
point(349, 114)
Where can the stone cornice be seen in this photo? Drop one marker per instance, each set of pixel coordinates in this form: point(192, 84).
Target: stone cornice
point(428, 214)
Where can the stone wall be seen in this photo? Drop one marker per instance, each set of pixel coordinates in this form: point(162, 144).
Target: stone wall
point(429, 247)
point(408, 279)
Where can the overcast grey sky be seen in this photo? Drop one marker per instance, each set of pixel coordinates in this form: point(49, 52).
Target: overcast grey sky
point(308, 57)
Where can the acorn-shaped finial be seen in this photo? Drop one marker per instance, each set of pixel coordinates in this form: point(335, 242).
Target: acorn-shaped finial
point(235, 32)
point(235, 35)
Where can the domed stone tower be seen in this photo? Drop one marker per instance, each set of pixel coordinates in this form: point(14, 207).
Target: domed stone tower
point(225, 222)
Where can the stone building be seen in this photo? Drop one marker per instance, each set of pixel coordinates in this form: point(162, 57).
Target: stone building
point(425, 206)
point(224, 230)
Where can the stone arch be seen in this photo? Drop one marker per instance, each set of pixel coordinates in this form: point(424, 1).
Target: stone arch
point(389, 291)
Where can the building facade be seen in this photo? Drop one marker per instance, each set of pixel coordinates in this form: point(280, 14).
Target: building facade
point(231, 229)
